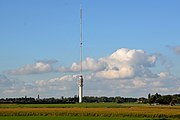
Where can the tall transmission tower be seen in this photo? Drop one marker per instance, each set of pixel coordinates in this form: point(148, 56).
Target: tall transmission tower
point(81, 76)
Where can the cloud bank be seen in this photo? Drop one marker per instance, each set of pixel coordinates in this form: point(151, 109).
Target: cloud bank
point(126, 72)
point(124, 63)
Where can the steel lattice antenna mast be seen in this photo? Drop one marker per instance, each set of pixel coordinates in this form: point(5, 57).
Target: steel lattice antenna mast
point(81, 76)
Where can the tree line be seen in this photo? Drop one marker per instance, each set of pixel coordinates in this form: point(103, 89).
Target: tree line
point(63, 100)
point(152, 100)
point(164, 99)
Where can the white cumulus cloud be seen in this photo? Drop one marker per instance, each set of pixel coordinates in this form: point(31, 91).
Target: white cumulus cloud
point(126, 63)
point(63, 86)
point(88, 65)
point(122, 72)
point(123, 63)
point(37, 68)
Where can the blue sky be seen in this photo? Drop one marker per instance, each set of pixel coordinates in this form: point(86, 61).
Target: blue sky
point(47, 32)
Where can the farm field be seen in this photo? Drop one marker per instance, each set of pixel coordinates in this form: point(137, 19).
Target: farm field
point(70, 118)
point(109, 111)
point(83, 105)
